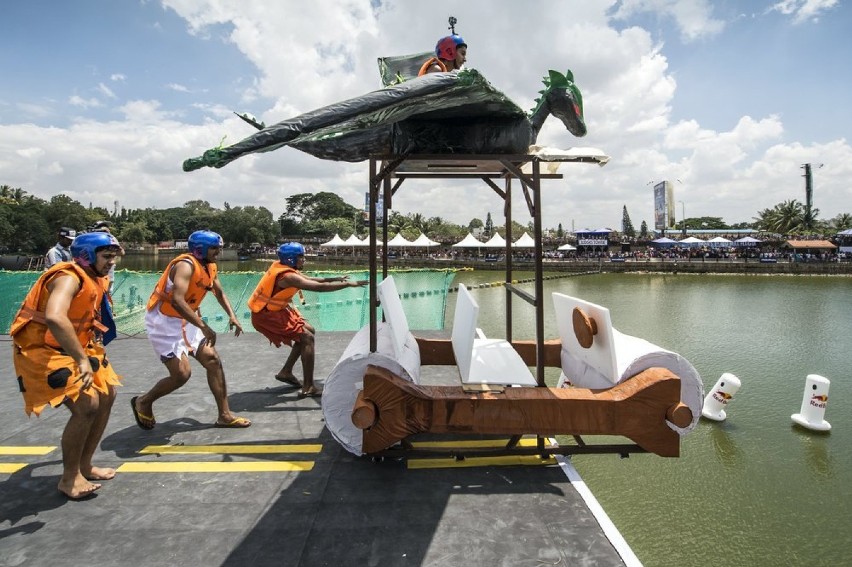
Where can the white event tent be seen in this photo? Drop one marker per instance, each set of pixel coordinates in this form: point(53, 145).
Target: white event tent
point(664, 241)
point(567, 247)
point(399, 241)
point(355, 241)
point(495, 241)
point(746, 241)
point(424, 241)
point(334, 242)
point(719, 241)
point(469, 241)
point(525, 241)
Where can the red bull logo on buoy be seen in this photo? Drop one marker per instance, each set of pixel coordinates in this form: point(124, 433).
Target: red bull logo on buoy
point(819, 400)
point(722, 397)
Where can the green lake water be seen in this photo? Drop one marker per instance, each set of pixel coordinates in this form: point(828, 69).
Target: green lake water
point(754, 489)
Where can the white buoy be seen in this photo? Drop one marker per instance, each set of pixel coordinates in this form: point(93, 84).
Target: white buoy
point(813, 404)
point(717, 398)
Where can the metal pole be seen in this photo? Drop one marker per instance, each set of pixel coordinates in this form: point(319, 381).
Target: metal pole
point(373, 290)
point(539, 275)
point(507, 215)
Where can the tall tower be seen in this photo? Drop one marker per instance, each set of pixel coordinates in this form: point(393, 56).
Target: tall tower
point(809, 187)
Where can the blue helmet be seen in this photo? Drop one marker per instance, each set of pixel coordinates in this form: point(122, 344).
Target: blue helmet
point(200, 242)
point(85, 246)
point(447, 46)
point(289, 252)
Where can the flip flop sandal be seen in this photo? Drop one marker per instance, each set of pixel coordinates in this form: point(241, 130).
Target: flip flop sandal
point(236, 423)
point(146, 422)
point(291, 380)
point(312, 393)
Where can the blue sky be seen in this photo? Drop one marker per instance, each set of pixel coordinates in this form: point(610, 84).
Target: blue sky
point(103, 100)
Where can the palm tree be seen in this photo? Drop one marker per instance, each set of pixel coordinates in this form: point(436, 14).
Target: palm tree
point(11, 195)
point(786, 217)
point(397, 222)
point(842, 221)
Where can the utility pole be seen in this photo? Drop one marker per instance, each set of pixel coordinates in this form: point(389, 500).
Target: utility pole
point(809, 186)
point(809, 193)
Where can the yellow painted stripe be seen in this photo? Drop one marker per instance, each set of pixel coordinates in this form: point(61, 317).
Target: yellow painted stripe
point(34, 450)
point(231, 467)
point(509, 460)
point(482, 443)
point(9, 468)
point(229, 449)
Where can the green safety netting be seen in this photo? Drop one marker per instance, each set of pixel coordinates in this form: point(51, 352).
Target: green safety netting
point(423, 294)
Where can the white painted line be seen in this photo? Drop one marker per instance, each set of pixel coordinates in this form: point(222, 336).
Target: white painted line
point(609, 529)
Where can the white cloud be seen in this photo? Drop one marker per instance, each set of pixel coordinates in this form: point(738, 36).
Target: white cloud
point(177, 87)
point(692, 17)
point(29, 109)
point(326, 52)
point(118, 77)
point(106, 91)
point(76, 100)
point(804, 10)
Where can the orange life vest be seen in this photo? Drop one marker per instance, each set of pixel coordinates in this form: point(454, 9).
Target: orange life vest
point(200, 283)
point(268, 295)
point(84, 311)
point(432, 61)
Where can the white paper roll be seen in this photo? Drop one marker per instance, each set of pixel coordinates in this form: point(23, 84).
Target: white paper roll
point(347, 378)
point(633, 355)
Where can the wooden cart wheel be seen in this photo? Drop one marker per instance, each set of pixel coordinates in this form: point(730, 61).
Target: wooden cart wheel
point(585, 328)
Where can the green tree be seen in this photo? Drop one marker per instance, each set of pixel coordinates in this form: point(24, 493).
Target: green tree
point(843, 221)
point(643, 230)
point(787, 217)
point(62, 210)
point(12, 195)
point(626, 224)
point(398, 223)
point(489, 226)
point(474, 224)
point(30, 233)
point(247, 225)
point(5, 225)
point(134, 233)
point(310, 207)
point(330, 227)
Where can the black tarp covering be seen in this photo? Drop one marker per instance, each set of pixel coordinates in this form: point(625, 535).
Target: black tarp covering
point(458, 112)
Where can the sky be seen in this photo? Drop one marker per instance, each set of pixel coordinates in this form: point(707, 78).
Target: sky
point(103, 100)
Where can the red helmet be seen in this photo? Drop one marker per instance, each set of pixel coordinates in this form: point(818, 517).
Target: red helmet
point(447, 46)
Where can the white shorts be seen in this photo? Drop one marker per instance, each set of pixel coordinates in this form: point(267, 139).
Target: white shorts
point(171, 337)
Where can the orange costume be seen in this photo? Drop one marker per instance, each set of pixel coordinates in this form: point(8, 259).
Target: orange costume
point(432, 61)
point(202, 282)
point(46, 374)
point(272, 313)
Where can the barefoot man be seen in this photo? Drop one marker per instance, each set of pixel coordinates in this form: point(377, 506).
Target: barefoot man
point(176, 330)
point(274, 316)
point(60, 360)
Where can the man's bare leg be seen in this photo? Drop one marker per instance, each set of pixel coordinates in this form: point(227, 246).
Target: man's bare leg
point(209, 359)
point(307, 342)
point(286, 372)
point(179, 373)
point(73, 484)
point(96, 432)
